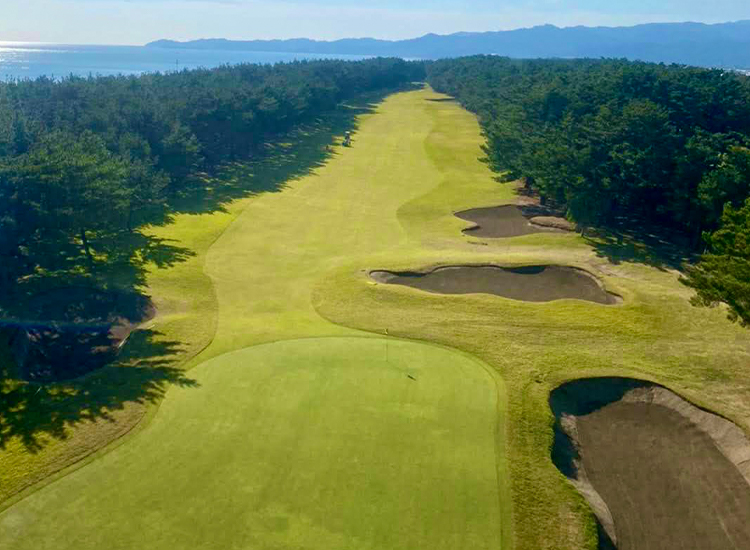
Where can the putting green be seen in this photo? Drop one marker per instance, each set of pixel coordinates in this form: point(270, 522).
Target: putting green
point(328, 443)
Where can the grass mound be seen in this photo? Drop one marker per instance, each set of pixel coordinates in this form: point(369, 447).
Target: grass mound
point(529, 284)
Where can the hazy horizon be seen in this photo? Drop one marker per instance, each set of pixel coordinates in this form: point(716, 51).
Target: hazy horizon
point(136, 22)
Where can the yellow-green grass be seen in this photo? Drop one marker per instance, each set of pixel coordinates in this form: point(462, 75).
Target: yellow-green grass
point(266, 263)
point(50, 429)
point(327, 443)
point(655, 335)
point(294, 265)
point(264, 266)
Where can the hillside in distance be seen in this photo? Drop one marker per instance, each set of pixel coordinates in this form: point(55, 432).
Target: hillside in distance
point(719, 45)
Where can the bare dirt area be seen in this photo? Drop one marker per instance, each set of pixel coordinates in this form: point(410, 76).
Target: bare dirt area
point(511, 221)
point(67, 332)
point(659, 473)
point(530, 284)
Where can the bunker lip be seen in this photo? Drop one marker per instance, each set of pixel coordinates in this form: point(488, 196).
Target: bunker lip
point(535, 283)
point(511, 220)
point(610, 477)
point(67, 332)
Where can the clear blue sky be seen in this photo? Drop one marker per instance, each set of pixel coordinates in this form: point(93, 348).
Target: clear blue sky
point(139, 21)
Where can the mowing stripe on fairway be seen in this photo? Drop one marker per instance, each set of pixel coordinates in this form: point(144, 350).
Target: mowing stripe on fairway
point(328, 443)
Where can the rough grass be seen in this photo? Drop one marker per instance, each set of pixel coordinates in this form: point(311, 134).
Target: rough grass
point(654, 335)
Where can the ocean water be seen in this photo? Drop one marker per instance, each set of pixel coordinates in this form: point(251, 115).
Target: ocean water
point(31, 60)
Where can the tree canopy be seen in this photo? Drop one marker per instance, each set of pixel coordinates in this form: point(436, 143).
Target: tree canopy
point(723, 274)
point(625, 144)
point(612, 140)
point(85, 161)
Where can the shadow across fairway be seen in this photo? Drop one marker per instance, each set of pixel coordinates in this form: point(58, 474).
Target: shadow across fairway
point(278, 162)
point(122, 256)
point(660, 251)
point(35, 413)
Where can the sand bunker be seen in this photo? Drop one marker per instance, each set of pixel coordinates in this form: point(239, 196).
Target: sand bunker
point(67, 332)
point(511, 221)
point(658, 472)
point(530, 284)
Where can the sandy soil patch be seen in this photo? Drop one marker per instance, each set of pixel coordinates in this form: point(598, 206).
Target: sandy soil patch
point(658, 472)
point(530, 284)
point(511, 221)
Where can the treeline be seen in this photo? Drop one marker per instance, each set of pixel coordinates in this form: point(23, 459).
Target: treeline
point(84, 158)
point(626, 145)
point(612, 141)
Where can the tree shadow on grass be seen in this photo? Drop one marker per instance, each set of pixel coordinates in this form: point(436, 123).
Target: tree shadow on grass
point(280, 161)
point(127, 257)
point(658, 249)
point(34, 413)
point(148, 365)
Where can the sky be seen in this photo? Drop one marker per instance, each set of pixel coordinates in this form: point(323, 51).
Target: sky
point(141, 21)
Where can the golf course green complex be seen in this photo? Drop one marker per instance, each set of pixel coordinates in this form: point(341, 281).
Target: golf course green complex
point(327, 410)
point(316, 443)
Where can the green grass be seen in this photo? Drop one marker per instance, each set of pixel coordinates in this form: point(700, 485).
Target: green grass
point(49, 429)
point(256, 264)
point(320, 443)
point(655, 334)
point(313, 439)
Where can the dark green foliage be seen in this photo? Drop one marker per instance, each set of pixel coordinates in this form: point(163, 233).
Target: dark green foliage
point(65, 187)
point(631, 146)
point(611, 141)
point(723, 274)
point(85, 161)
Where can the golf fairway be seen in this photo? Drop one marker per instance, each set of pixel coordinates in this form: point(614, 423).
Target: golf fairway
point(301, 433)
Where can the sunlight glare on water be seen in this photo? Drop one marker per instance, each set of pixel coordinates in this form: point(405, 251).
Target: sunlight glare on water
point(22, 60)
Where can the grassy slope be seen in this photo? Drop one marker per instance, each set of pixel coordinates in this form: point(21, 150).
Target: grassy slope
point(266, 263)
point(263, 269)
point(317, 443)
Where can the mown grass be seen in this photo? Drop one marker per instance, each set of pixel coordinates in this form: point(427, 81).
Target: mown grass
point(654, 335)
point(46, 429)
point(327, 443)
point(428, 490)
point(294, 265)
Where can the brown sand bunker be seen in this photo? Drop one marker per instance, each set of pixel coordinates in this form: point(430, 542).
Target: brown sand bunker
point(659, 472)
point(512, 221)
point(67, 332)
point(530, 284)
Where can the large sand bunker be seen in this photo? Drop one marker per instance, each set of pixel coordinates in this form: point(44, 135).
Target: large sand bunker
point(70, 331)
point(530, 284)
point(659, 472)
point(511, 221)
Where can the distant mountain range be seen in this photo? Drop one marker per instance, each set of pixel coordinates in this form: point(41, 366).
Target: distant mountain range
point(721, 45)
